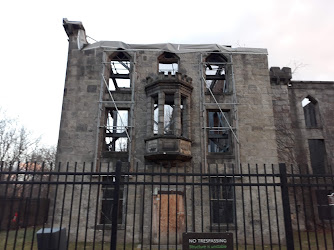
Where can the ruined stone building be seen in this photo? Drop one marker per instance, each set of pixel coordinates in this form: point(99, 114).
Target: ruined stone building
point(190, 107)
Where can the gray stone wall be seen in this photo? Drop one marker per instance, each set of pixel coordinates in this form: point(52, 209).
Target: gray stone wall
point(292, 133)
point(78, 125)
point(255, 110)
point(323, 93)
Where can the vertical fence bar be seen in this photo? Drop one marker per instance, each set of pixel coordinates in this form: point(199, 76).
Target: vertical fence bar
point(12, 201)
point(126, 200)
point(79, 208)
point(295, 190)
point(63, 203)
point(71, 206)
point(286, 207)
point(88, 203)
point(185, 197)
point(134, 208)
point(38, 206)
point(152, 204)
point(97, 202)
point(313, 216)
point(251, 205)
point(143, 209)
point(268, 205)
point(304, 207)
point(243, 206)
point(26, 222)
point(114, 215)
point(259, 200)
point(21, 201)
point(276, 207)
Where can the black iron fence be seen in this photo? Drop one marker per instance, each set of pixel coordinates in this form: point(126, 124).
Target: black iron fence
point(151, 207)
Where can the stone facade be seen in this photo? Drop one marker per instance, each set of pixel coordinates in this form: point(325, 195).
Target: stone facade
point(293, 127)
point(172, 119)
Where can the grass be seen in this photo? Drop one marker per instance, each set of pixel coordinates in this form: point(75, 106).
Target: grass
point(15, 241)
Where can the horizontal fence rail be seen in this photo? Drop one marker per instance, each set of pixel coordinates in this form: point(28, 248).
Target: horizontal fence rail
point(79, 206)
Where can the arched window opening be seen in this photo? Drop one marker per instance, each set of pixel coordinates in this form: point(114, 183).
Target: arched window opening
point(168, 62)
point(216, 72)
point(119, 71)
point(309, 105)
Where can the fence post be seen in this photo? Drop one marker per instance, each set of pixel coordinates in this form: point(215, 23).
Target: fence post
point(114, 215)
point(286, 207)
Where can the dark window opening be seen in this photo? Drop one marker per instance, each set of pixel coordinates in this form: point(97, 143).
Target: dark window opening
point(168, 62)
point(317, 155)
point(222, 200)
point(325, 211)
point(169, 115)
point(119, 72)
point(216, 72)
point(218, 132)
point(310, 112)
point(116, 130)
point(108, 188)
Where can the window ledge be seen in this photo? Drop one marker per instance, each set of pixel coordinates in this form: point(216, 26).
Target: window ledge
point(314, 127)
point(220, 156)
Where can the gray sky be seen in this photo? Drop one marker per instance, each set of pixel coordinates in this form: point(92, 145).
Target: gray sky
point(34, 43)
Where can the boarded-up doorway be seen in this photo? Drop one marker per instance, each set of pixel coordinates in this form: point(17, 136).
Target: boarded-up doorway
point(168, 217)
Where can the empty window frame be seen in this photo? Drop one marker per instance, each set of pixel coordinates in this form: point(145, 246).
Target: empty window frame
point(317, 155)
point(215, 73)
point(116, 129)
point(107, 201)
point(310, 112)
point(325, 211)
point(219, 139)
point(168, 62)
point(120, 69)
point(221, 200)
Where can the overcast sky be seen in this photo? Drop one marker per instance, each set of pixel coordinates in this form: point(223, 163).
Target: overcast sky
point(34, 43)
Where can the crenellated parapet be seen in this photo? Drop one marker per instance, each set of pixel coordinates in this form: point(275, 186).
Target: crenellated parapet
point(167, 78)
point(280, 76)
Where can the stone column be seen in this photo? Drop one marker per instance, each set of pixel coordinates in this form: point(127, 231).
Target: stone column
point(161, 103)
point(177, 113)
point(186, 118)
point(149, 116)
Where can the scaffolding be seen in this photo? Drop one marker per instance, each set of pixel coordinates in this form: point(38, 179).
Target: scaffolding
point(119, 71)
point(223, 72)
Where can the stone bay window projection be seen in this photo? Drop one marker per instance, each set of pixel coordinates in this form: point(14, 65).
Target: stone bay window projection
point(169, 116)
